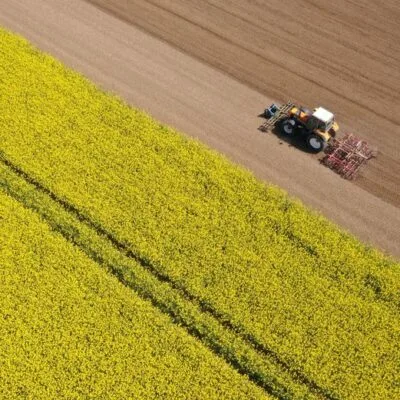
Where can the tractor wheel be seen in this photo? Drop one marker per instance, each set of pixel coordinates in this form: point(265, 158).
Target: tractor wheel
point(288, 127)
point(315, 143)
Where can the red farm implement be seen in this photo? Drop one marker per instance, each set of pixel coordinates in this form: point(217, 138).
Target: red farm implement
point(347, 155)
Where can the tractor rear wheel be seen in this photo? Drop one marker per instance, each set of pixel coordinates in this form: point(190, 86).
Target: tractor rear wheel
point(288, 127)
point(315, 143)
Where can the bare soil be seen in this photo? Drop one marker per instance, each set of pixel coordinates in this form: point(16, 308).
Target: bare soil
point(339, 54)
point(220, 63)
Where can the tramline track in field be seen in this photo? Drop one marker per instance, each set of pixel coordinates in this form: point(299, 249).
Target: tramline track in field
point(206, 324)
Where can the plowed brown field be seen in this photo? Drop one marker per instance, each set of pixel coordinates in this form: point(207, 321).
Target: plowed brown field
point(335, 54)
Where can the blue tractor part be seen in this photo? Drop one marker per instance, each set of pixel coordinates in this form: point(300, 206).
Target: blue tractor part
point(271, 111)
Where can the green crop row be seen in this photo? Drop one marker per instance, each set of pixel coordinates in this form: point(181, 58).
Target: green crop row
point(71, 331)
point(277, 273)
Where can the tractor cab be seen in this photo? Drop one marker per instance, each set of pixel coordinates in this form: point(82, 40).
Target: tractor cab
point(322, 119)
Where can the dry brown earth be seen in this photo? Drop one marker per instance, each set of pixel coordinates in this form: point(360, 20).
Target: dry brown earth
point(342, 54)
point(205, 102)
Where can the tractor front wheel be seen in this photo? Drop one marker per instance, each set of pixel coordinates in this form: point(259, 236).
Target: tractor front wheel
point(315, 143)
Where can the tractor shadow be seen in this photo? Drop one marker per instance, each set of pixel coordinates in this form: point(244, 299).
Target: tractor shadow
point(298, 142)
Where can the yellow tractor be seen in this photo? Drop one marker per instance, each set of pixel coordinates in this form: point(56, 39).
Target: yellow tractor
point(317, 127)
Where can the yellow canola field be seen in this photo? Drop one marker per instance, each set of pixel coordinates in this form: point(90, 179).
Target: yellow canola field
point(70, 331)
point(284, 277)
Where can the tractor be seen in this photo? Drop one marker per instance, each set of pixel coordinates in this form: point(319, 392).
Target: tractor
point(316, 127)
